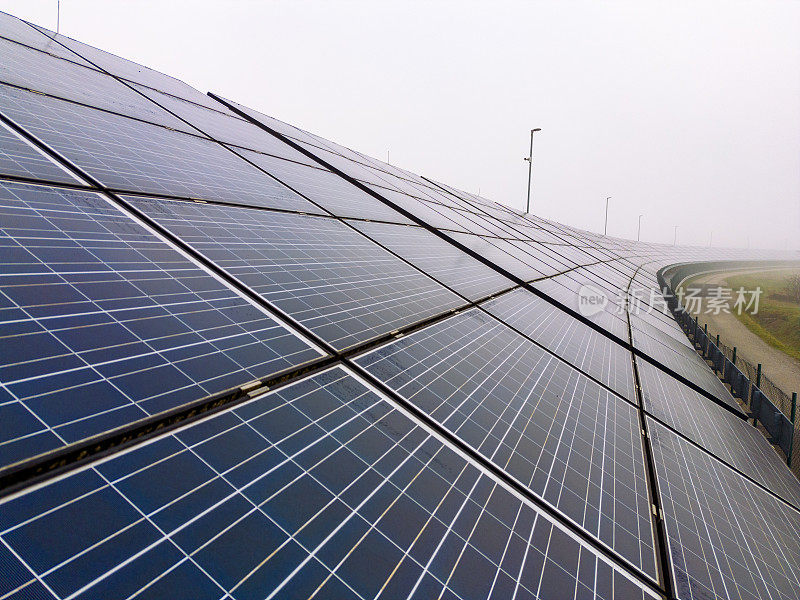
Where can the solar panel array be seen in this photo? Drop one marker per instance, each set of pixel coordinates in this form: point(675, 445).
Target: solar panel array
point(238, 360)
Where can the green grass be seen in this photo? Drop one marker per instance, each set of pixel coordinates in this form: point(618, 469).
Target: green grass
point(778, 319)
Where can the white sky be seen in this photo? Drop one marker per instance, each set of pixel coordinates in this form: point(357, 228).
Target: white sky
point(686, 112)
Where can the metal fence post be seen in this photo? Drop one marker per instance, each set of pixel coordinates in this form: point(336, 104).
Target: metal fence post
point(717, 340)
point(758, 376)
point(705, 328)
point(733, 360)
point(791, 444)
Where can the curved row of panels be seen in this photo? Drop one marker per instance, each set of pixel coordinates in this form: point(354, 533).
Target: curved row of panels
point(447, 421)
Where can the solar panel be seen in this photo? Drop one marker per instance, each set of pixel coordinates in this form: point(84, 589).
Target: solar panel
point(550, 428)
point(685, 362)
point(329, 277)
point(219, 124)
point(439, 450)
point(727, 538)
point(130, 155)
point(425, 211)
point(322, 489)
point(489, 248)
point(441, 260)
point(18, 158)
point(717, 430)
point(12, 28)
point(566, 291)
point(127, 69)
point(102, 323)
point(325, 188)
point(38, 71)
point(570, 339)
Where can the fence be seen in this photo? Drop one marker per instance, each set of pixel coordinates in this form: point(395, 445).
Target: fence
point(768, 405)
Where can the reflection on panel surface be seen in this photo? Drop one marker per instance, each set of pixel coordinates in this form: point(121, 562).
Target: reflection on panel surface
point(549, 427)
point(333, 193)
point(41, 72)
point(329, 277)
point(684, 361)
point(438, 258)
point(131, 155)
point(574, 341)
point(322, 487)
point(102, 323)
point(727, 537)
point(723, 434)
point(19, 159)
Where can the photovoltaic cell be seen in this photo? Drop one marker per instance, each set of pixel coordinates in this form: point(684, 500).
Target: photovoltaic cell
point(102, 323)
point(489, 248)
point(570, 339)
point(129, 70)
point(17, 30)
point(685, 362)
point(329, 277)
point(320, 489)
point(19, 159)
point(438, 258)
point(717, 430)
point(557, 289)
point(126, 154)
point(41, 72)
point(552, 429)
point(727, 538)
point(422, 210)
point(327, 189)
point(223, 126)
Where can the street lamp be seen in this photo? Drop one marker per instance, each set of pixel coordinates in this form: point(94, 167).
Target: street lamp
point(639, 232)
point(675, 238)
point(605, 227)
point(529, 158)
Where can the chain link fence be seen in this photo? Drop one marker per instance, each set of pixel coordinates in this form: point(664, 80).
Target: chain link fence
point(781, 400)
point(704, 341)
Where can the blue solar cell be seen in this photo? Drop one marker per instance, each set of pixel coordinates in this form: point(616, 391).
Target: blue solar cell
point(130, 155)
point(41, 72)
point(323, 489)
point(128, 69)
point(727, 537)
point(20, 31)
point(567, 337)
point(329, 277)
point(549, 427)
point(333, 193)
point(19, 159)
point(717, 430)
point(438, 258)
point(102, 323)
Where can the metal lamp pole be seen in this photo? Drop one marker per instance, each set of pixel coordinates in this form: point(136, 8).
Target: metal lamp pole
point(639, 231)
point(529, 158)
point(605, 227)
point(675, 238)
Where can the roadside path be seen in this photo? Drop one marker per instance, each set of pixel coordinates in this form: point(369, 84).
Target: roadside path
point(782, 369)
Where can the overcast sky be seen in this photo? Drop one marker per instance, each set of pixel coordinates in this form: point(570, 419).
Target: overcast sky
point(688, 113)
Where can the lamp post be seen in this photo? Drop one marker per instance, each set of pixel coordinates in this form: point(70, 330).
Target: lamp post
point(639, 231)
point(675, 237)
point(529, 158)
point(605, 227)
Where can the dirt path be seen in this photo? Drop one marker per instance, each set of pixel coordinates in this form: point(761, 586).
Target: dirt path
point(783, 370)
